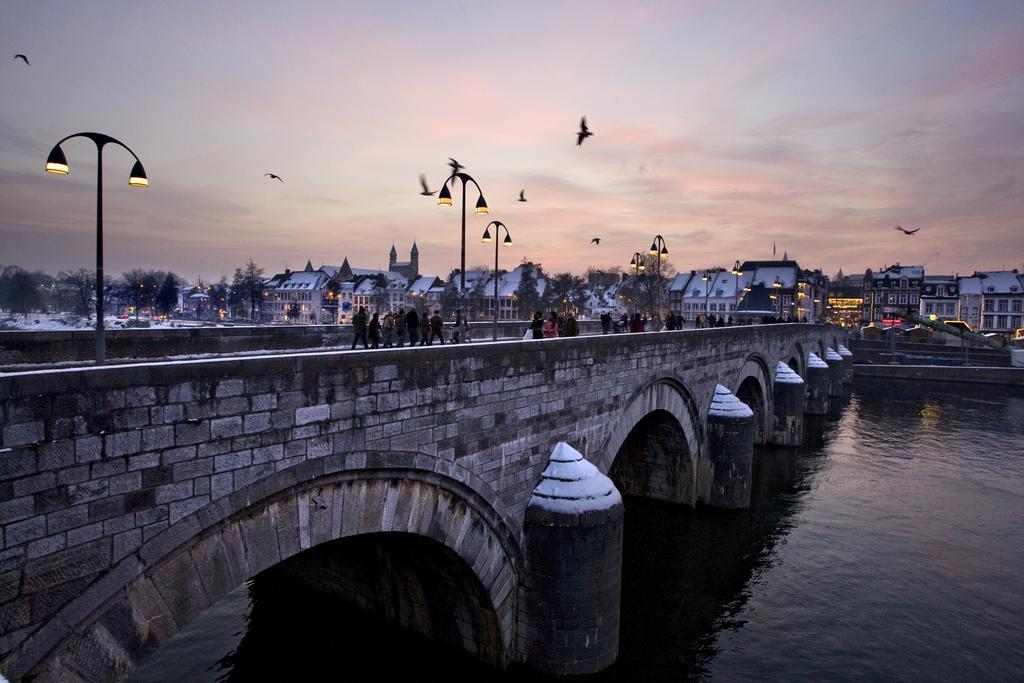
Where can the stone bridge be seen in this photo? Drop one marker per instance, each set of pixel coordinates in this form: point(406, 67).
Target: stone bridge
point(132, 497)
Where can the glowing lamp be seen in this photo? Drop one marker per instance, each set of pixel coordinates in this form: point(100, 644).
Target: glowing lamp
point(486, 239)
point(57, 162)
point(481, 206)
point(507, 241)
point(137, 178)
point(654, 249)
point(444, 197)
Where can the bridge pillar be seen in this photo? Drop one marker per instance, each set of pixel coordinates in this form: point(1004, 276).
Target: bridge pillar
point(730, 439)
point(836, 372)
point(788, 398)
point(817, 385)
point(572, 552)
point(847, 356)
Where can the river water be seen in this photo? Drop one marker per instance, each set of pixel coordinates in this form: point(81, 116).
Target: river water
point(890, 546)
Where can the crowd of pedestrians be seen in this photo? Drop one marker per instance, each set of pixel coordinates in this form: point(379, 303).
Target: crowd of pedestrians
point(396, 328)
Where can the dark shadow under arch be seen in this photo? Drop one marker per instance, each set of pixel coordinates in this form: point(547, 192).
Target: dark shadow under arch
point(753, 394)
point(654, 461)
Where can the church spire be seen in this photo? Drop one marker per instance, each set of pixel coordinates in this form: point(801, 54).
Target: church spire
point(309, 266)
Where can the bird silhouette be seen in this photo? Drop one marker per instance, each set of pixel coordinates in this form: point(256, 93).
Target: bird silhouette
point(273, 176)
point(596, 240)
point(22, 58)
point(584, 132)
point(522, 195)
point(456, 166)
point(905, 231)
point(426, 190)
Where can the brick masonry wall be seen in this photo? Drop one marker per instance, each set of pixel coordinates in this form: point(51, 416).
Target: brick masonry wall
point(119, 466)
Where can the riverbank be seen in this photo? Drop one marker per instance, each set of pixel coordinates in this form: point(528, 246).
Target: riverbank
point(1011, 377)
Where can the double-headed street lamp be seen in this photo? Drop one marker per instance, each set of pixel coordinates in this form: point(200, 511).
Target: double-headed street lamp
point(58, 163)
point(486, 239)
point(637, 264)
point(707, 293)
point(659, 251)
point(444, 198)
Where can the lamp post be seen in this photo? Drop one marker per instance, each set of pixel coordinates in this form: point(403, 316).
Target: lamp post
point(736, 274)
point(637, 264)
point(444, 198)
point(486, 239)
point(58, 163)
point(776, 286)
point(659, 251)
point(707, 293)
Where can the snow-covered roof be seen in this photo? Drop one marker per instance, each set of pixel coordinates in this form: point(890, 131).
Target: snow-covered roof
point(993, 282)
point(787, 275)
point(898, 271)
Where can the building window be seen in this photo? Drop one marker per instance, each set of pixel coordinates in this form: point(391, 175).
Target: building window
point(913, 299)
point(1002, 305)
point(989, 322)
point(928, 308)
point(903, 284)
point(878, 297)
point(1016, 305)
point(1001, 322)
point(903, 298)
point(989, 305)
point(1014, 321)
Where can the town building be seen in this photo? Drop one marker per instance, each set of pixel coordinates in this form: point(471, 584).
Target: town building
point(305, 296)
point(888, 292)
point(992, 302)
point(940, 297)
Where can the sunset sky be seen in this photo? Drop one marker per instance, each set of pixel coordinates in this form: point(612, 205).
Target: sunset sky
point(724, 126)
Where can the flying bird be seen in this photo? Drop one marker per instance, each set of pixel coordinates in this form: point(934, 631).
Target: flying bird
point(273, 177)
point(522, 195)
point(426, 190)
point(584, 132)
point(22, 58)
point(456, 166)
point(905, 231)
point(596, 240)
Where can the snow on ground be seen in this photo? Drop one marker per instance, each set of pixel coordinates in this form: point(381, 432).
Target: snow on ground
point(57, 323)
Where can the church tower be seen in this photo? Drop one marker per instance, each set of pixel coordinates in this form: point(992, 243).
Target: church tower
point(414, 261)
point(392, 258)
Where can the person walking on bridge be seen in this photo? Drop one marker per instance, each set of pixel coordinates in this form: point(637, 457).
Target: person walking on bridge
point(424, 328)
point(400, 328)
point(550, 328)
point(436, 328)
point(412, 325)
point(374, 329)
point(537, 325)
point(359, 327)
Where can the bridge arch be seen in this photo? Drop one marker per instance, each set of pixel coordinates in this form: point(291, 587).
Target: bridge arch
point(753, 387)
point(654, 444)
point(150, 595)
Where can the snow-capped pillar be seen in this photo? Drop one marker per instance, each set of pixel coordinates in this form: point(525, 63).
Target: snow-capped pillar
point(817, 385)
point(836, 371)
point(572, 550)
point(847, 357)
point(730, 442)
point(788, 397)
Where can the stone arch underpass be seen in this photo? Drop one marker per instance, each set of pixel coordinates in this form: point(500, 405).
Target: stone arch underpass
point(753, 387)
point(654, 448)
point(466, 598)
